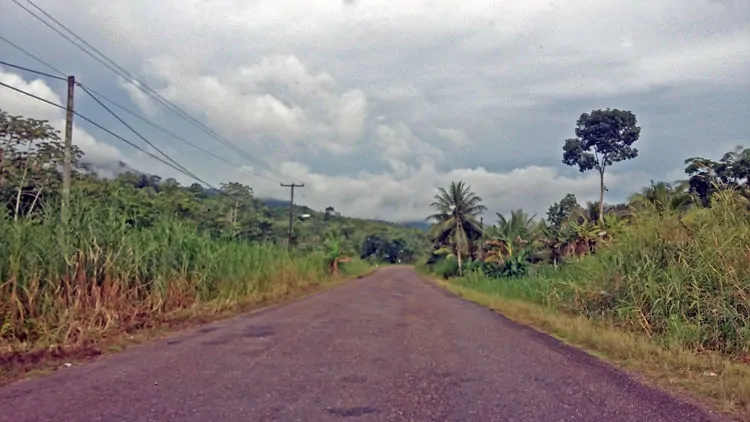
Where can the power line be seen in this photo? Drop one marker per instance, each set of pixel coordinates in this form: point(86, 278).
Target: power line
point(183, 169)
point(172, 134)
point(142, 86)
point(143, 138)
point(48, 25)
point(91, 92)
point(26, 69)
point(26, 52)
point(177, 167)
point(149, 91)
point(109, 132)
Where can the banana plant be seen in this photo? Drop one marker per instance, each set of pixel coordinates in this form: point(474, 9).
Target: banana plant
point(335, 255)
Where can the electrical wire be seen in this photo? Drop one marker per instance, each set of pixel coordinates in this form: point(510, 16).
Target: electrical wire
point(28, 53)
point(143, 138)
point(94, 93)
point(26, 69)
point(91, 92)
point(130, 78)
point(132, 144)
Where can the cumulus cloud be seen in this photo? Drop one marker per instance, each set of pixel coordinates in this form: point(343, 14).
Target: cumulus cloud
point(18, 104)
point(105, 157)
point(455, 136)
point(134, 90)
point(406, 198)
point(277, 99)
point(375, 104)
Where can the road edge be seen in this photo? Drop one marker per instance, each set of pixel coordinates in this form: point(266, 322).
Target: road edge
point(145, 337)
point(587, 356)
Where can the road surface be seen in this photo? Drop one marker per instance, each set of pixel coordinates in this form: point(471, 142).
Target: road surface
point(388, 347)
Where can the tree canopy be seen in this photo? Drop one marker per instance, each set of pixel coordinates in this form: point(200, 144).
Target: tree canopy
point(707, 176)
point(603, 137)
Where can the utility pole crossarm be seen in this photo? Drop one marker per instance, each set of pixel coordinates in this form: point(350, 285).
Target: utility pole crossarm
point(291, 208)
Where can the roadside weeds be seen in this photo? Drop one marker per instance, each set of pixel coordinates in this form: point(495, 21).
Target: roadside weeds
point(19, 366)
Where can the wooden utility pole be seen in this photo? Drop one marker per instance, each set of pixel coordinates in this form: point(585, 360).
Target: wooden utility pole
point(291, 207)
point(481, 238)
point(67, 152)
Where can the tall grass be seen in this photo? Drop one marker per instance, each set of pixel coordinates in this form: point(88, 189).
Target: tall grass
point(682, 279)
point(66, 286)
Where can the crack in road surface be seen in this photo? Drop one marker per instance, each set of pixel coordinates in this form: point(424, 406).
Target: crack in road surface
point(388, 347)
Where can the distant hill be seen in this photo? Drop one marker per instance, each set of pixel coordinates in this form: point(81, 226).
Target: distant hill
point(274, 202)
point(419, 224)
point(283, 203)
point(107, 169)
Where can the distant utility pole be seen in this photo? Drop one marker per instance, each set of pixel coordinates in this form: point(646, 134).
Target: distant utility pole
point(481, 238)
point(67, 152)
point(291, 206)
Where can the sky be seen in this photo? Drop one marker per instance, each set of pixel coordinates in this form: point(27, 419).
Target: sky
point(374, 104)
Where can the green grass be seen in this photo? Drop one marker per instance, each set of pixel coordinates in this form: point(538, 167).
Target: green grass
point(530, 289)
point(711, 378)
point(69, 287)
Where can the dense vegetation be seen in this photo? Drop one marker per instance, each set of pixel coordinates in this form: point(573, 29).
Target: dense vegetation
point(672, 263)
point(138, 251)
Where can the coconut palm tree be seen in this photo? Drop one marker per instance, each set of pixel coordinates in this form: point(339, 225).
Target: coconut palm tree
point(516, 230)
point(663, 197)
point(455, 219)
point(589, 212)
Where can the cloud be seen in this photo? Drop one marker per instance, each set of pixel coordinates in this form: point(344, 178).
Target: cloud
point(375, 104)
point(18, 104)
point(407, 198)
point(400, 147)
point(134, 90)
point(276, 99)
point(455, 136)
point(102, 155)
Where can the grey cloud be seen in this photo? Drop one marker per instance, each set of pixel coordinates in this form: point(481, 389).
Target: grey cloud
point(383, 102)
point(19, 104)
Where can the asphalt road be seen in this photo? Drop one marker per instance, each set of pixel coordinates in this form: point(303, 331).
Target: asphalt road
point(388, 347)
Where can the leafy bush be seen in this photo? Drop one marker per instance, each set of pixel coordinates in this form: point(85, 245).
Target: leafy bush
point(446, 267)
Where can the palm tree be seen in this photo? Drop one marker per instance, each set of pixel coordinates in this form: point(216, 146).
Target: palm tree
point(663, 197)
point(455, 217)
point(588, 213)
point(516, 230)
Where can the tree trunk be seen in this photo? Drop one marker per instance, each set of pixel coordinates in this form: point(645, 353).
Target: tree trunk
point(33, 203)
point(18, 195)
point(460, 267)
point(601, 196)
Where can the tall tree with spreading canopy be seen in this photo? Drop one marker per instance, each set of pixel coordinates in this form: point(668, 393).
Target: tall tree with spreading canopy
point(457, 210)
point(603, 138)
